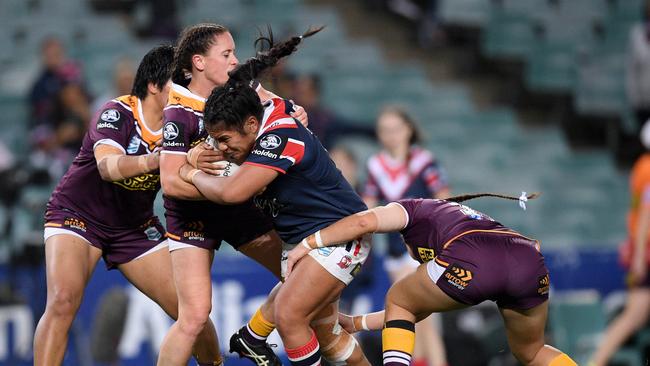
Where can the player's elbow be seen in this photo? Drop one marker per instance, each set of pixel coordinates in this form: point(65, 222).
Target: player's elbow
point(105, 173)
point(366, 222)
point(170, 187)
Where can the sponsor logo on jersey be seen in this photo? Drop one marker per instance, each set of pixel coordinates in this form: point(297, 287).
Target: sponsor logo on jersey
point(152, 233)
point(171, 131)
point(110, 115)
point(102, 125)
point(543, 284)
point(426, 254)
point(173, 135)
point(134, 145)
point(144, 182)
point(270, 142)
point(201, 125)
point(73, 223)
point(265, 153)
point(458, 276)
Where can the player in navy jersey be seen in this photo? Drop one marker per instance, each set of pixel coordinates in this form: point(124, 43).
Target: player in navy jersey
point(466, 258)
point(303, 192)
point(103, 207)
point(195, 227)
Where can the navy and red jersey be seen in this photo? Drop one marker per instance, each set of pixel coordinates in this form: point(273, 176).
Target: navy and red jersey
point(310, 193)
point(420, 176)
point(434, 224)
point(121, 204)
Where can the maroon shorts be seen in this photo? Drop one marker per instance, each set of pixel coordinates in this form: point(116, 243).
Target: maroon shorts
point(237, 225)
point(118, 246)
point(504, 268)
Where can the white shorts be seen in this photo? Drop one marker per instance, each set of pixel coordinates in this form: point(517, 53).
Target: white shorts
point(341, 261)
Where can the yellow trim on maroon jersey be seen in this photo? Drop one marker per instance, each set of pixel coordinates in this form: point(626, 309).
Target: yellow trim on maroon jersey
point(176, 98)
point(145, 134)
point(506, 231)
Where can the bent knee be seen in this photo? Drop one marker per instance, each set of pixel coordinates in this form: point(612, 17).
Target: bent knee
point(287, 317)
point(64, 302)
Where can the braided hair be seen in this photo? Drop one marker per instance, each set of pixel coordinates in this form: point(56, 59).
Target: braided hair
point(231, 103)
point(466, 197)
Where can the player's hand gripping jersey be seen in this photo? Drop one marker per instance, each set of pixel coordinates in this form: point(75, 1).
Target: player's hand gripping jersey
point(310, 193)
point(121, 204)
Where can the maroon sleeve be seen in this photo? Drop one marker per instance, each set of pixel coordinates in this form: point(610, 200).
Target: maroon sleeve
point(111, 126)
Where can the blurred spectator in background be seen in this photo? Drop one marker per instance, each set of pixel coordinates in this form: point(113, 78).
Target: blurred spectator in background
point(56, 68)
point(324, 123)
point(423, 14)
point(60, 110)
point(400, 170)
point(346, 162)
point(634, 256)
point(638, 70)
point(123, 75)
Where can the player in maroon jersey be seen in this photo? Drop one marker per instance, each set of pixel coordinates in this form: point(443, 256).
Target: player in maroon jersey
point(103, 207)
point(466, 258)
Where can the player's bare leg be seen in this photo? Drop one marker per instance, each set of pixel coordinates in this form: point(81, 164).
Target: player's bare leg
point(408, 301)
point(191, 267)
point(428, 344)
point(152, 275)
point(69, 262)
point(304, 294)
point(525, 331)
point(633, 317)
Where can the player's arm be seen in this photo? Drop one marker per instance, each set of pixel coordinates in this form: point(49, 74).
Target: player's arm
point(355, 323)
point(114, 165)
point(383, 219)
point(238, 188)
point(172, 183)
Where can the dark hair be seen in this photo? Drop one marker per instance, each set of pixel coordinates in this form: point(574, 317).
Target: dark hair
point(154, 68)
point(195, 39)
point(416, 135)
point(467, 197)
point(233, 102)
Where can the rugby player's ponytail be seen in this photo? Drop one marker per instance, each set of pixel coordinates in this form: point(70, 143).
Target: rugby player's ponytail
point(231, 103)
point(253, 67)
point(467, 197)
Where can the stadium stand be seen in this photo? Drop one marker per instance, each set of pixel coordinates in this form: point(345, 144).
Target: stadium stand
point(487, 149)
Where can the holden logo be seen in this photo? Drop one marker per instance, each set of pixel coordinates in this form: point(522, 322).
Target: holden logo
point(171, 131)
point(110, 115)
point(270, 142)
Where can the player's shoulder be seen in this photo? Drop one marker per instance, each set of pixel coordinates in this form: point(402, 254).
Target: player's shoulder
point(183, 101)
point(116, 113)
